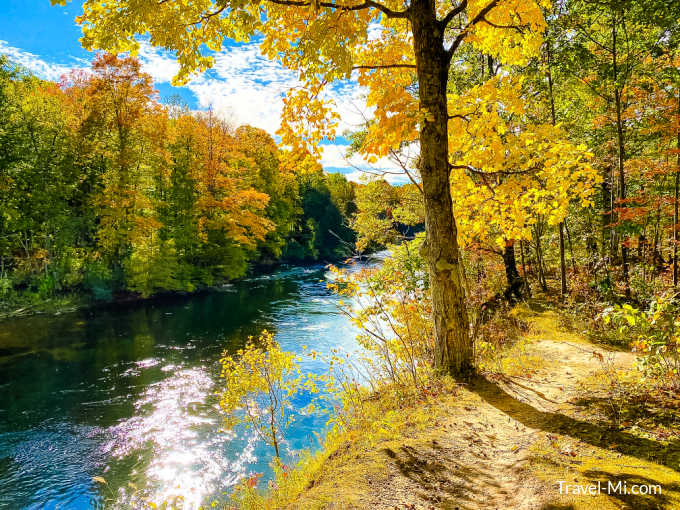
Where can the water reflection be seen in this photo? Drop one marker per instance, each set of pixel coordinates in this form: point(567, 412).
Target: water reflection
point(129, 395)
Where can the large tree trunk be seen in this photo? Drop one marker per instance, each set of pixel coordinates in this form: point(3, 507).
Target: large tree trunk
point(454, 353)
point(511, 272)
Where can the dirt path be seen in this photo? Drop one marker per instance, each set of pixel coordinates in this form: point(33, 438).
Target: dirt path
point(477, 457)
point(483, 451)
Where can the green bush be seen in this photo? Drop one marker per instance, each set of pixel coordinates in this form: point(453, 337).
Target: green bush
point(655, 333)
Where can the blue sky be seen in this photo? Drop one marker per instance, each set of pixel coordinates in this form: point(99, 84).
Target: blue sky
point(243, 87)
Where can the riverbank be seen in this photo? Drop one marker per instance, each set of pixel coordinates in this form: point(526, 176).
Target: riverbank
point(505, 440)
point(27, 303)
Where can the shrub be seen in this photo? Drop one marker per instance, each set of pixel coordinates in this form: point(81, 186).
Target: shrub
point(260, 382)
point(655, 333)
point(391, 307)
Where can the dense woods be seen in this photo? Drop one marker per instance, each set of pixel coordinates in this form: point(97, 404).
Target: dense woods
point(106, 190)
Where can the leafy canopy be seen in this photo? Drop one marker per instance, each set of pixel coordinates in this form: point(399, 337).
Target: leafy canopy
point(323, 41)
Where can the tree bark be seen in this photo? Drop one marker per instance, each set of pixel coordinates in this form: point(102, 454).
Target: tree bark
point(621, 154)
point(511, 272)
point(515, 282)
point(571, 246)
point(675, 208)
point(454, 353)
point(607, 212)
point(539, 260)
point(563, 265)
point(525, 278)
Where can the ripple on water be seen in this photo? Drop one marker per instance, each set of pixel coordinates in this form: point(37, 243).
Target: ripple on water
point(129, 396)
point(53, 465)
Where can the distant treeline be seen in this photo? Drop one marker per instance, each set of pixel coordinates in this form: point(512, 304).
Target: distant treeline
point(104, 190)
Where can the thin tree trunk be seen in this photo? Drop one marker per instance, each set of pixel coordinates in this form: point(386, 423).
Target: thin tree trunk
point(657, 224)
point(612, 228)
point(273, 432)
point(453, 344)
point(571, 246)
point(563, 266)
point(675, 208)
point(621, 155)
point(524, 269)
point(539, 260)
point(606, 213)
point(675, 224)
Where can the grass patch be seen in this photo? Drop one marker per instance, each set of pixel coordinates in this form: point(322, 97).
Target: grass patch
point(561, 458)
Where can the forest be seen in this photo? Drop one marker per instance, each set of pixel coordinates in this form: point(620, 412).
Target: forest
point(107, 191)
point(517, 342)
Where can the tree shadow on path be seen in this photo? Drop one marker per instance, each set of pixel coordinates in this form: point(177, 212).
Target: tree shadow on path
point(596, 435)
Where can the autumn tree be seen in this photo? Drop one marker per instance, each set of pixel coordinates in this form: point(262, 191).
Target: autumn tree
point(511, 172)
point(386, 214)
point(116, 103)
point(599, 48)
point(38, 182)
point(415, 44)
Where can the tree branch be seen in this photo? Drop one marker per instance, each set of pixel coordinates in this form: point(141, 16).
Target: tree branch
point(515, 27)
point(395, 156)
point(452, 14)
point(206, 17)
point(332, 5)
point(385, 66)
point(476, 171)
point(480, 16)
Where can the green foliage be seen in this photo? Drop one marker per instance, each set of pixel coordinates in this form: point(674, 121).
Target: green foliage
point(150, 198)
point(654, 333)
point(153, 266)
point(326, 201)
point(97, 280)
point(386, 213)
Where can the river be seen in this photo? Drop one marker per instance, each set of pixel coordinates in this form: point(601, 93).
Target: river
point(106, 408)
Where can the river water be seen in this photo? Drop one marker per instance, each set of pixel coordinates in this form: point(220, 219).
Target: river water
point(128, 395)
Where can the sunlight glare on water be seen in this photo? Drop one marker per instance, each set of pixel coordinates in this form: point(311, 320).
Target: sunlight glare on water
point(128, 396)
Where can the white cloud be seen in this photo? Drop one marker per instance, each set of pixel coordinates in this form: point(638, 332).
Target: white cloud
point(42, 68)
point(160, 66)
point(334, 156)
point(361, 177)
point(247, 87)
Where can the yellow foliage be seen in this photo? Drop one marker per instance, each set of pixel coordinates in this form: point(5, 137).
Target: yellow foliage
point(259, 382)
point(323, 42)
point(508, 171)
